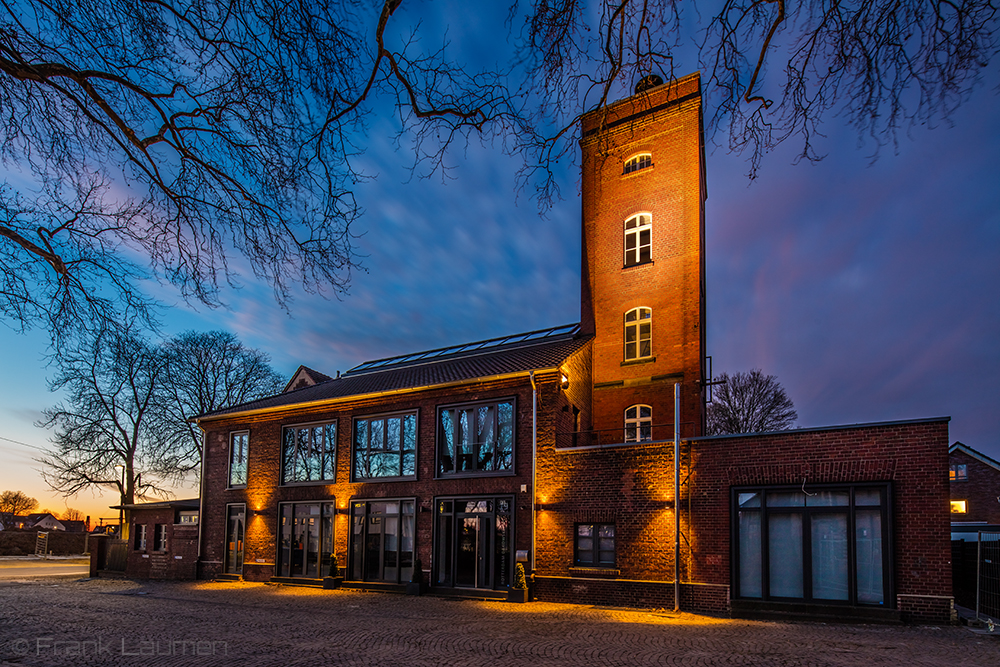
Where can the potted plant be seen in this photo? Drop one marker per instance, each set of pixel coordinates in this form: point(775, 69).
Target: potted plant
point(333, 580)
point(416, 585)
point(519, 590)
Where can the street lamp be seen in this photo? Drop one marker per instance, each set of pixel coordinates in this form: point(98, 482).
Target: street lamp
point(121, 505)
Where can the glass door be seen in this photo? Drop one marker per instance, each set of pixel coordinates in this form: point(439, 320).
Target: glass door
point(235, 525)
point(473, 543)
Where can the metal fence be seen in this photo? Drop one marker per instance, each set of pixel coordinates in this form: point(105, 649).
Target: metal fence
point(988, 576)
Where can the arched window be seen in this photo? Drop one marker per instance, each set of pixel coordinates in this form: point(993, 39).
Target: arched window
point(637, 162)
point(638, 334)
point(639, 423)
point(638, 239)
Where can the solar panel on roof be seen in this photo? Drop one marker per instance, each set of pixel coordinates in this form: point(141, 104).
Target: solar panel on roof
point(489, 344)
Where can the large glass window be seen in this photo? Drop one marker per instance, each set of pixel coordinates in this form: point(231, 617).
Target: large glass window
point(594, 545)
point(824, 544)
point(639, 239)
point(238, 450)
point(638, 334)
point(385, 446)
point(382, 534)
point(639, 423)
point(309, 453)
point(306, 539)
point(476, 438)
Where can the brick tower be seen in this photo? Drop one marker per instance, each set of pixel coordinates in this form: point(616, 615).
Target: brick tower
point(643, 286)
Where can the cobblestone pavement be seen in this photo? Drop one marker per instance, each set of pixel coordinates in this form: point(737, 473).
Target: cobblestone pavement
point(118, 622)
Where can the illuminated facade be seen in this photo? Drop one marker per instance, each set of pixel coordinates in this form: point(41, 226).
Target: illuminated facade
point(555, 448)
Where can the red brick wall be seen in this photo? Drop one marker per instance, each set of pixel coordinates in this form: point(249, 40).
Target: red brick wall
point(178, 561)
point(665, 122)
point(633, 487)
point(980, 491)
point(263, 491)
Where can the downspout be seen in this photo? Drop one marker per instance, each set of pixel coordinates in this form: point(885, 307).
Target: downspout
point(201, 492)
point(677, 495)
point(534, 463)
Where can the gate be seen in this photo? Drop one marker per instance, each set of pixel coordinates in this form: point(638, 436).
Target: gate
point(41, 544)
point(112, 555)
point(988, 576)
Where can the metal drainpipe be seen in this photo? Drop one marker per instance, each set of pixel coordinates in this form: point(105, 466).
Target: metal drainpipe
point(677, 495)
point(534, 461)
point(201, 492)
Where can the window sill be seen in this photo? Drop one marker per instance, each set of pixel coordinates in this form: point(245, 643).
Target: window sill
point(379, 480)
point(636, 172)
point(605, 572)
point(317, 482)
point(648, 262)
point(236, 487)
point(639, 362)
point(475, 473)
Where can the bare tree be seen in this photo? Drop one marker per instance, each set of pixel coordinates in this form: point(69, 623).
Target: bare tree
point(210, 139)
point(103, 434)
point(749, 403)
point(72, 515)
point(14, 503)
point(206, 372)
point(200, 141)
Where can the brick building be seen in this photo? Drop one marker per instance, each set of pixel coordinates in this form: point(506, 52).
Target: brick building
point(974, 479)
point(556, 447)
point(162, 540)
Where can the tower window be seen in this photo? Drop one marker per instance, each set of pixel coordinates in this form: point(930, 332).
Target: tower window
point(639, 423)
point(638, 239)
point(638, 162)
point(638, 334)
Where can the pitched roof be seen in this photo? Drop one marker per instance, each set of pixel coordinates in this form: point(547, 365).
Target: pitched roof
point(518, 353)
point(976, 454)
point(305, 377)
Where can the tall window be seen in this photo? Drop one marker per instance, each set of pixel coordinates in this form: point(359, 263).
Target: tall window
point(476, 438)
point(160, 537)
point(382, 534)
point(595, 545)
point(829, 544)
point(238, 450)
point(638, 334)
point(309, 453)
point(638, 162)
point(385, 446)
point(638, 239)
point(140, 537)
point(639, 423)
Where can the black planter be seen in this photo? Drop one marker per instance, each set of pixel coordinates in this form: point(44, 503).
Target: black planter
point(517, 595)
point(332, 583)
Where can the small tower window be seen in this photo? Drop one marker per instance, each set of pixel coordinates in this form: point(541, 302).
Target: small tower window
point(638, 239)
point(638, 334)
point(639, 423)
point(638, 162)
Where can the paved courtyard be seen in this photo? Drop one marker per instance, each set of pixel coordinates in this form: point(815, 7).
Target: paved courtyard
point(66, 621)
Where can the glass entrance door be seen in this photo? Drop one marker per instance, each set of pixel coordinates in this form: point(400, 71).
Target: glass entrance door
point(382, 541)
point(473, 546)
point(236, 522)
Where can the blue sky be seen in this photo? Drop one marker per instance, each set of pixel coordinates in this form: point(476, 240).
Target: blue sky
point(872, 290)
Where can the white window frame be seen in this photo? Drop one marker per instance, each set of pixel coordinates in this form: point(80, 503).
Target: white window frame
point(635, 225)
point(638, 427)
point(243, 451)
point(637, 163)
point(634, 319)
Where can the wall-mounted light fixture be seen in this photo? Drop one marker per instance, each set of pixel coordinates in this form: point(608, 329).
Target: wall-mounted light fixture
point(564, 381)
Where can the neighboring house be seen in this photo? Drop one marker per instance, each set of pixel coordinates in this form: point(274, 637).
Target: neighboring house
point(974, 479)
point(554, 448)
point(41, 521)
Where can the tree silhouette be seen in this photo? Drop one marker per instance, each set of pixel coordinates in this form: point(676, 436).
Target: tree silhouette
point(749, 403)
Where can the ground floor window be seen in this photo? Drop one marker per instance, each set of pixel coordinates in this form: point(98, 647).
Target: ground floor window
point(306, 539)
point(594, 545)
point(382, 540)
point(828, 544)
point(473, 539)
point(235, 525)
